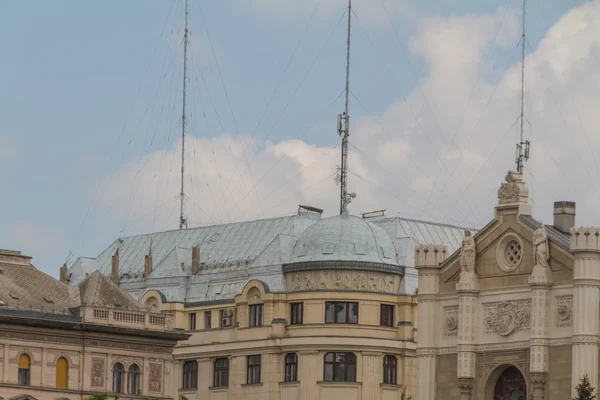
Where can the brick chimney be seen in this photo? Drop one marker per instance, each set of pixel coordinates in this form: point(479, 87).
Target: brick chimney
point(64, 274)
point(114, 271)
point(195, 260)
point(564, 215)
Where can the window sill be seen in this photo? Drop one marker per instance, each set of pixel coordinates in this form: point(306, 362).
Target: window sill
point(339, 383)
point(251, 384)
point(217, 389)
point(289, 383)
point(190, 390)
point(390, 385)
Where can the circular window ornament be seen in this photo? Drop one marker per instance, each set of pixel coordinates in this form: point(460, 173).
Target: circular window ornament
point(509, 252)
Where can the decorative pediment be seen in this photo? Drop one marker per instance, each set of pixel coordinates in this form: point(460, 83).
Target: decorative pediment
point(22, 397)
point(504, 256)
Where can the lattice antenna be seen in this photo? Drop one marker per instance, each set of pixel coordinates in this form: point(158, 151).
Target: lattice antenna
point(182, 220)
point(523, 145)
point(344, 130)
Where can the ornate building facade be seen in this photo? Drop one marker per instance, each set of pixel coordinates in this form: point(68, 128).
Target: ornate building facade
point(66, 343)
point(298, 307)
point(514, 313)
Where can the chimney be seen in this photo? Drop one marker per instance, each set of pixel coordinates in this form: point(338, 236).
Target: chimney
point(148, 264)
point(564, 215)
point(64, 274)
point(114, 272)
point(195, 260)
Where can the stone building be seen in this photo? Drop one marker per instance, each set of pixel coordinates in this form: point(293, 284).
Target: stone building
point(62, 342)
point(298, 307)
point(514, 314)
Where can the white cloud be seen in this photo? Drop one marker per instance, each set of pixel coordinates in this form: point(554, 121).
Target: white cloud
point(399, 167)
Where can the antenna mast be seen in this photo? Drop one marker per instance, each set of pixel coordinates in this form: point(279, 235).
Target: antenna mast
point(344, 130)
point(182, 221)
point(523, 145)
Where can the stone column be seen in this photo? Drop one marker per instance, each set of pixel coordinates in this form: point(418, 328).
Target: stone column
point(585, 246)
point(538, 343)
point(427, 261)
point(467, 289)
point(372, 372)
point(310, 372)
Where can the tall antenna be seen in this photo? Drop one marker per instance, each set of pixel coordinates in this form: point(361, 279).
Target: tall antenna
point(344, 130)
point(523, 145)
point(182, 221)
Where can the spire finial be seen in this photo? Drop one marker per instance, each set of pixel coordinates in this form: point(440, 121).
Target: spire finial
point(523, 145)
point(182, 221)
point(344, 130)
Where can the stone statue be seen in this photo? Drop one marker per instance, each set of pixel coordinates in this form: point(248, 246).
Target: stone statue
point(467, 253)
point(541, 253)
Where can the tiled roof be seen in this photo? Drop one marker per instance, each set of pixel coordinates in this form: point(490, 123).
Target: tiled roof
point(99, 291)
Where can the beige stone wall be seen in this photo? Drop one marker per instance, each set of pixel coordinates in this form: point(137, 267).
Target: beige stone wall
point(44, 346)
point(311, 340)
point(446, 380)
point(558, 385)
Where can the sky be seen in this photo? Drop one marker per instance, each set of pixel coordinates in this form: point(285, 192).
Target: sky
point(90, 113)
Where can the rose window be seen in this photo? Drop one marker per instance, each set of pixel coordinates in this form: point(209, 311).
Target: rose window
point(513, 253)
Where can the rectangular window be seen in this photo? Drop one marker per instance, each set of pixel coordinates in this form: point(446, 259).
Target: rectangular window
point(226, 317)
point(207, 319)
point(341, 312)
point(256, 314)
point(291, 367)
point(192, 321)
point(296, 313)
point(190, 374)
point(253, 373)
point(340, 367)
point(221, 372)
point(386, 315)
point(23, 376)
point(389, 370)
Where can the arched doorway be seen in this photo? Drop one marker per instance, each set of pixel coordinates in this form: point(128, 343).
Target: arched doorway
point(510, 385)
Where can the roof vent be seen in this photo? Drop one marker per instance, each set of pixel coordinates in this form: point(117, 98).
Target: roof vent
point(48, 300)
point(13, 296)
point(309, 211)
point(374, 215)
point(117, 303)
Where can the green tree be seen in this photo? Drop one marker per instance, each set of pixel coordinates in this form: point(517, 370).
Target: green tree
point(584, 390)
point(404, 395)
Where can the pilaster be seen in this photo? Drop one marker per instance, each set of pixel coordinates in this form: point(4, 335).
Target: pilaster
point(467, 289)
point(372, 369)
point(585, 246)
point(310, 371)
point(44, 369)
point(538, 343)
point(204, 377)
point(427, 262)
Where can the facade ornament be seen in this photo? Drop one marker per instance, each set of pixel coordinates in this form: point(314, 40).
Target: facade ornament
point(155, 384)
point(360, 282)
point(564, 311)
point(465, 383)
point(98, 372)
point(506, 317)
point(308, 282)
point(541, 250)
point(342, 280)
point(468, 254)
point(509, 191)
point(451, 321)
point(538, 378)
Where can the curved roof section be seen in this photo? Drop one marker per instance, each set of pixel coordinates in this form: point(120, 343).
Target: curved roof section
point(345, 238)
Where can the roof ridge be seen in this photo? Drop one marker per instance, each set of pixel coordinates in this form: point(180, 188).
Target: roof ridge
point(444, 224)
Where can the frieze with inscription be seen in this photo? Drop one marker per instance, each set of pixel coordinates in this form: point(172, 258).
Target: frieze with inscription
point(344, 280)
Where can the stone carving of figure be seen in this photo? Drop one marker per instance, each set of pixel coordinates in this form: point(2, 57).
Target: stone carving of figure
point(541, 253)
point(467, 253)
point(297, 279)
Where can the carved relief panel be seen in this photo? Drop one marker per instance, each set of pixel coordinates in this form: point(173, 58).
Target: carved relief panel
point(155, 378)
point(564, 311)
point(505, 317)
point(98, 372)
point(343, 280)
point(450, 321)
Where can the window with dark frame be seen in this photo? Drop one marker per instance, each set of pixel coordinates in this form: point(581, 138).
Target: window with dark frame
point(253, 371)
point(221, 372)
point(207, 319)
point(190, 374)
point(296, 313)
point(341, 312)
point(386, 315)
point(339, 367)
point(291, 367)
point(23, 371)
point(256, 314)
point(192, 318)
point(118, 384)
point(389, 369)
point(226, 317)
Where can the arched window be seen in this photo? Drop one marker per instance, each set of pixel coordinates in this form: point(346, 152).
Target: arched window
point(221, 372)
point(389, 369)
point(118, 378)
point(340, 367)
point(190, 374)
point(291, 367)
point(24, 374)
point(62, 373)
point(133, 379)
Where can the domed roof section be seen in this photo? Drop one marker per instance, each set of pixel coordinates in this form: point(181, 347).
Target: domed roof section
point(344, 238)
